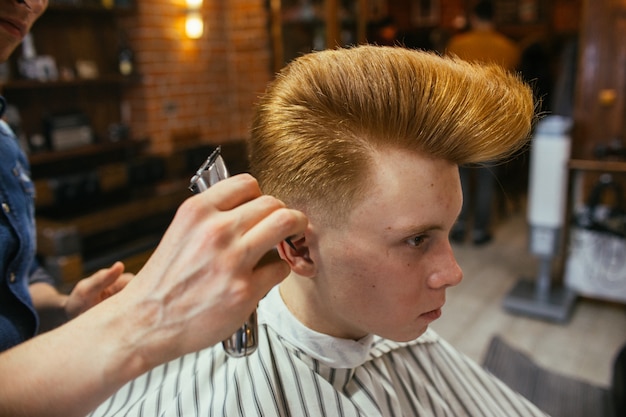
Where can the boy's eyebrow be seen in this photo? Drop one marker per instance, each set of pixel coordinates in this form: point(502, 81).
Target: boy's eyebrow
point(418, 228)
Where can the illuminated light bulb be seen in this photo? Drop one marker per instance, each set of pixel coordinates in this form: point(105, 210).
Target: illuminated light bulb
point(194, 4)
point(194, 26)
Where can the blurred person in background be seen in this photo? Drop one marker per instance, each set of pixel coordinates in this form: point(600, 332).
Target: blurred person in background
point(481, 43)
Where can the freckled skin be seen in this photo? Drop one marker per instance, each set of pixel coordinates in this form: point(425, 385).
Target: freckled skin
point(370, 275)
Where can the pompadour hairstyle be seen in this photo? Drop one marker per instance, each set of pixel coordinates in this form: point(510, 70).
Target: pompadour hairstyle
point(318, 123)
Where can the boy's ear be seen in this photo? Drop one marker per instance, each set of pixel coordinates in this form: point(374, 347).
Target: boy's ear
point(299, 259)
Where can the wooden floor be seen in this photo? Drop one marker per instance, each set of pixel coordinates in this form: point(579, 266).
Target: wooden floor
point(583, 347)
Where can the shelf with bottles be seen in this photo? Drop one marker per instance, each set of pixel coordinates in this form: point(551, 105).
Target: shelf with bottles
point(91, 6)
point(301, 26)
point(105, 79)
point(51, 162)
point(85, 46)
point(75, 64)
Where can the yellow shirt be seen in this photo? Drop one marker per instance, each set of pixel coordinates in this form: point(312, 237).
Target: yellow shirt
point(485, 46)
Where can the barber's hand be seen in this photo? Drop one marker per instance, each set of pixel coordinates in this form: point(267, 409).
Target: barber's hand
point(99, 286)
point(202, 281)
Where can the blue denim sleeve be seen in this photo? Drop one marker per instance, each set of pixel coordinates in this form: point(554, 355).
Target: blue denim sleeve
point(39, 274)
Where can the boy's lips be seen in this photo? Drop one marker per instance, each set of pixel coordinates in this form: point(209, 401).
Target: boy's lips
point(432, 315)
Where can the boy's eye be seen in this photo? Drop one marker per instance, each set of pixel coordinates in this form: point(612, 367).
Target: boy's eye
point(416, 240)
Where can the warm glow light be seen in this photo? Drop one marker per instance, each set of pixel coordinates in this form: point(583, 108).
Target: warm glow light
point(194, 26)
point(194, 4)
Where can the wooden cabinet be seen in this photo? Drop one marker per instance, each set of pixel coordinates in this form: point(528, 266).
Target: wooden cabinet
point(599, 132)
point(106, 202)
point(108, 199)
point(101, 198)
point(302, 26)
point(76, 71)
point(600, 108)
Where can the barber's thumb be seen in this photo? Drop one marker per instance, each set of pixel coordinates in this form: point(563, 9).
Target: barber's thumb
point(106, 276)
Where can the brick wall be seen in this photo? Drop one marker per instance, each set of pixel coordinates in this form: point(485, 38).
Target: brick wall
point(203, 90)
point(450, 10)
point(196, 90)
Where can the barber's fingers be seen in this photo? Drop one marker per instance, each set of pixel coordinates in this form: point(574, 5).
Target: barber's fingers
point(215, 203)
point(235, 206)
point(93, 289)
point(269, 272)
point(106, 276)
point(269, 229)
point(231, 192)
point(250, 214)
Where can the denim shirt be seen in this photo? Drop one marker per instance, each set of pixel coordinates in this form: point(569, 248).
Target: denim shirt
point(18, 318)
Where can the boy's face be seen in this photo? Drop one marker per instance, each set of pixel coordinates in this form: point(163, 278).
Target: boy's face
point(387, 270)
point(16, 19)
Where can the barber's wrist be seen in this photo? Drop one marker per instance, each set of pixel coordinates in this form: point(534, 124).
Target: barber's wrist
point(138, 341)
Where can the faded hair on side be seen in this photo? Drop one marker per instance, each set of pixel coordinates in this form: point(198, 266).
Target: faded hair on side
point(318, 124)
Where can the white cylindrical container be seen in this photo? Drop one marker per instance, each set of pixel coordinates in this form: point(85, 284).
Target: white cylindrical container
point(547, 186)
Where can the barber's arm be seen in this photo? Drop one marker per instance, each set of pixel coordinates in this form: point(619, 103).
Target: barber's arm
point(201, 283)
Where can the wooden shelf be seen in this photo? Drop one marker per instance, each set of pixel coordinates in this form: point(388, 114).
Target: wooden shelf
point(73, 32)
point(106, 79)
point(596, 165)
point(60, 7)
point(99, 149)
point(327, 18)
point(121, 215)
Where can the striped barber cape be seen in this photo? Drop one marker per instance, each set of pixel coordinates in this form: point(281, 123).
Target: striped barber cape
point(300, 373)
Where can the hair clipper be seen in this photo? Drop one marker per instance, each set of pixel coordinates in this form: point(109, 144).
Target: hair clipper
point(244, 341)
